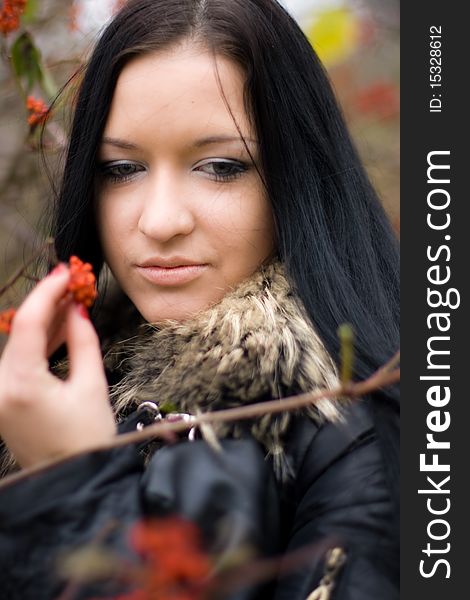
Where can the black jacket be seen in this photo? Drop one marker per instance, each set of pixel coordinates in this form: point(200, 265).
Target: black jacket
point(281, 483)
point(336, 497)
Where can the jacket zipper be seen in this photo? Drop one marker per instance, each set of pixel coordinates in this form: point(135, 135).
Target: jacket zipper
point(335, 559)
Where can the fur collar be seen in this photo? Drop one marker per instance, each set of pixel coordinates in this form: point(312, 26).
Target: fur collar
point(256, 344)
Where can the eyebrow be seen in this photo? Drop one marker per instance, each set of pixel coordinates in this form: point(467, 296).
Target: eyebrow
point(207, 141)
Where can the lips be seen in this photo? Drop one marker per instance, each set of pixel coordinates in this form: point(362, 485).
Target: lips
point(171, 275)
point(169, 263)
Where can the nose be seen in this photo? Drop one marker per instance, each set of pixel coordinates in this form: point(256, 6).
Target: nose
point(166, 211)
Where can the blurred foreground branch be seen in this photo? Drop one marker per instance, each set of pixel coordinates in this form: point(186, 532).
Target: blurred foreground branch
point(386, 376)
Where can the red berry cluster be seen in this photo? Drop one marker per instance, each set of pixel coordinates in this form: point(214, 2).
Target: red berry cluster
point(175, 567)
point(6, 318)
point(10, 15)
point(380, 99)
point(82, 287)
point(38, 111)
point(82, 283)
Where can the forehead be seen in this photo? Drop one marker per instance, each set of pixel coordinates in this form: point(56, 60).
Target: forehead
point(176, 92)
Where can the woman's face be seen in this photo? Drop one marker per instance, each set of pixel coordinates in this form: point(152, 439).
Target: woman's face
point(182, 213)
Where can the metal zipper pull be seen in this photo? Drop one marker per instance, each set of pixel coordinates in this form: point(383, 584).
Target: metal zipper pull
point(335, 559)
point(153, 409)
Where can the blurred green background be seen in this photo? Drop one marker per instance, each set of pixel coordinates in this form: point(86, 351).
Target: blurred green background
point(358, 41)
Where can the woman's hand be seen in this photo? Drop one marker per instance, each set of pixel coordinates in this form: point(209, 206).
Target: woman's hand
point(42, 417)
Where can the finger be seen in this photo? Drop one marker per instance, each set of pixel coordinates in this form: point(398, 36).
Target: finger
point(58, 331)
point(82, 344)
point(34, 318)
point(57, 339)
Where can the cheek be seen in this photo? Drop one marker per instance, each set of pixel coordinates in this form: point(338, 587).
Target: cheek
point(242, 221)
point(110, 229)
point(254, 226)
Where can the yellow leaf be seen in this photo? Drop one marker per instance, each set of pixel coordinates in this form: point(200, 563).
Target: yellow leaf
point(334, 34)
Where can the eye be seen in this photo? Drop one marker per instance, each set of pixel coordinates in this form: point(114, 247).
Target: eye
point(119, 172)
point(223, 170)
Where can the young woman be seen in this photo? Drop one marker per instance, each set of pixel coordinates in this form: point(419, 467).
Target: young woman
point(210, 169)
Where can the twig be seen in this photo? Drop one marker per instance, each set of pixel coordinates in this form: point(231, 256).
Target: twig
point(14, 278)
point(380, 379)
point(346, 336)
point(6, 56)
point(262, 570)
point(22, 231)
point(391, 364)
point(73, 587)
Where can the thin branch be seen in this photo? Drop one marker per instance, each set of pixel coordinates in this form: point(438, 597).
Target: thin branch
point(7, 60)
point(392, 363)
point(378, 380)
point(14, 278)
point(261, 570)
point(21, 231)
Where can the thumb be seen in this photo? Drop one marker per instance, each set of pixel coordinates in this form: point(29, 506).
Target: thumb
point(82, 344)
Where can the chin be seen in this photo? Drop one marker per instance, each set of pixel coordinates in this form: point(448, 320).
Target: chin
point(173, 313)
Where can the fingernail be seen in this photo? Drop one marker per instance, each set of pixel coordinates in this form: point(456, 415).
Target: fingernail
point(60, 268)
point(83, 311)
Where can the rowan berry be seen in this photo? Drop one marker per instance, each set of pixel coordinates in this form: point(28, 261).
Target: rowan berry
point(10, 15)
point(38, 111)
point(6, 319)
point(175, 565)
point(82, 284)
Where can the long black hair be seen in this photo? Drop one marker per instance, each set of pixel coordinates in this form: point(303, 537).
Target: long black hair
point(333, 236)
